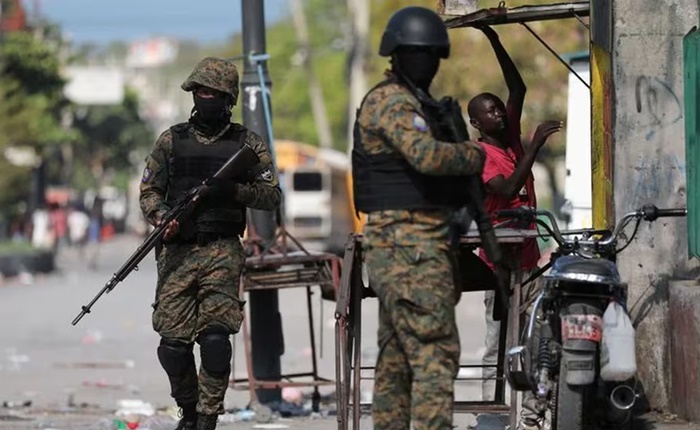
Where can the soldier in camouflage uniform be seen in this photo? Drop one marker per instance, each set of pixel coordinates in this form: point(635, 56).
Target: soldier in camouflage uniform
point(201, 260)
point(402, 179)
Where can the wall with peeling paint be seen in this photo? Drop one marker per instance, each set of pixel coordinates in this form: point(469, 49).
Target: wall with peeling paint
point(649, 167)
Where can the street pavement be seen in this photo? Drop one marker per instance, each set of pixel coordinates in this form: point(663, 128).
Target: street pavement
point(79, 377)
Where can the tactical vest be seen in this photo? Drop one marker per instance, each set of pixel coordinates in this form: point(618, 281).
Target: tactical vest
point(389, 182)
point(191, 163)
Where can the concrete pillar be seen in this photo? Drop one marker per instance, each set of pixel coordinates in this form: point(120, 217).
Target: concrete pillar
point(684, 304)
point(648, 165)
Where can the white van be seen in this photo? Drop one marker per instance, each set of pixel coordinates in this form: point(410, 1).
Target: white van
point(578, 208)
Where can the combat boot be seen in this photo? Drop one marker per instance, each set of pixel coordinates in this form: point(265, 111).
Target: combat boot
point(188, 417)
point(207, 422)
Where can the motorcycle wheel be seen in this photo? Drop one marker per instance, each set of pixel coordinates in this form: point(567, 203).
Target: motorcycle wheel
point(572, 404)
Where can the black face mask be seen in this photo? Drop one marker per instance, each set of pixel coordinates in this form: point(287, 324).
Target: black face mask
point(420, 66)
point(211, 110)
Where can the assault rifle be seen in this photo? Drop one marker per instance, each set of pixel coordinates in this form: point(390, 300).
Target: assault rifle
point(447, 116)
point(241, 161)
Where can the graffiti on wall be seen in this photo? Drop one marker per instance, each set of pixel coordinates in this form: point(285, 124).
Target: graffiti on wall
point(660, 175)
point(658, 103)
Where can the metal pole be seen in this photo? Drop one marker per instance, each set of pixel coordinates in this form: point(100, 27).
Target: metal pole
point(359, 34)
point(318, 105)
point(1, 23)
point(265, 319)
point(358, 39)
point(2, 36)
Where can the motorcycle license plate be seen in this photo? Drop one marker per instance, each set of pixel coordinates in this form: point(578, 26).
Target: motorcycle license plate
point(581, 327)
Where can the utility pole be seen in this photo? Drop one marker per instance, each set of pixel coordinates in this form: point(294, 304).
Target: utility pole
point(265, 320)
point(359, 15)
point(357, 57)
point(3, 5)
point(2, 34)
point(1, 24)
point(323, 128)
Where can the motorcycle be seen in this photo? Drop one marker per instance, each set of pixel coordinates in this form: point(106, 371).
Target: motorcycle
point(559, 355)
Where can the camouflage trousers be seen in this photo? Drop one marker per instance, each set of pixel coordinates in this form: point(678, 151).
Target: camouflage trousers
point(418, 341)
point(198, 288)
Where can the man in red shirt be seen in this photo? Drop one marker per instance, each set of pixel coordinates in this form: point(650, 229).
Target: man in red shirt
point(509, 182)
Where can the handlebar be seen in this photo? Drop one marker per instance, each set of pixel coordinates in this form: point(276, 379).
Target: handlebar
point(652, 213)
point(647, 212)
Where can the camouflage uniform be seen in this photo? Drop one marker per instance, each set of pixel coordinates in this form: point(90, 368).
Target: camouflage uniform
point(407, 256)
point(198, 284)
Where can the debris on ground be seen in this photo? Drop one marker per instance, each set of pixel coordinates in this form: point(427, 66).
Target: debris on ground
point(241, 415)
point(127, 364)
point(11, 404)
point(129, 407)
point(136, 414)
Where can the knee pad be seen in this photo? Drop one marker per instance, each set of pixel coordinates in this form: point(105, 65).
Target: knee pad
point(215, 349)
point(175, 356)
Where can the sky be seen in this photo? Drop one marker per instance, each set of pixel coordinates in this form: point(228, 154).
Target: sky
point(103, 21)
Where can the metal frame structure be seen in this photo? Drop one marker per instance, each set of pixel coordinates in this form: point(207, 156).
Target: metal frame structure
point(522, 15)
point(285, 263)
point(278, 264)
point(348, 327)
point(278, 267)
point(348, 332)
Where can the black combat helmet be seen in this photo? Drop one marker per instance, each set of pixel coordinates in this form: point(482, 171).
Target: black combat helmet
point(415, 26)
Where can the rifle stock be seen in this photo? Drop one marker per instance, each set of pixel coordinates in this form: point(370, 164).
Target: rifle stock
point(241, 161)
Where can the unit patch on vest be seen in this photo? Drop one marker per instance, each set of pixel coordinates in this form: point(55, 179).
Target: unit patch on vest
point(419, 123)
point(147, 172)
point(266, 175)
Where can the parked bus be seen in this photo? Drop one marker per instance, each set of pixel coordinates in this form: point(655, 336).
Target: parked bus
point(317, 202)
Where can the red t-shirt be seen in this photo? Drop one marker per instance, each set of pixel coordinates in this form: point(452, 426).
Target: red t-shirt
point(503, 162)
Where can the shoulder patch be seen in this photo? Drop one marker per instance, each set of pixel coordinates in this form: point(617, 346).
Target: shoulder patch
point(147, 173)
point(266, 175)
point(419, 123)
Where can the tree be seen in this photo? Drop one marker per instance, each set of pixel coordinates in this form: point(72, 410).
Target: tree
point(31, 90)
point(109, 135)
point(100, 140)
point(471, 69)
point(291, 106)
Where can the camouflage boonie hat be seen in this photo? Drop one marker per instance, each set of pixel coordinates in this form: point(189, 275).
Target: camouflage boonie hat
point(215, 73)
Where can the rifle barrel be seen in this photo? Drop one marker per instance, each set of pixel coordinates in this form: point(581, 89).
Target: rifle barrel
point(131, 263)
point(86, 309)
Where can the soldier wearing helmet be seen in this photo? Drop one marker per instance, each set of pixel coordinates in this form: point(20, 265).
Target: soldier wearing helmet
point(200, 262)
point(403, 178)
